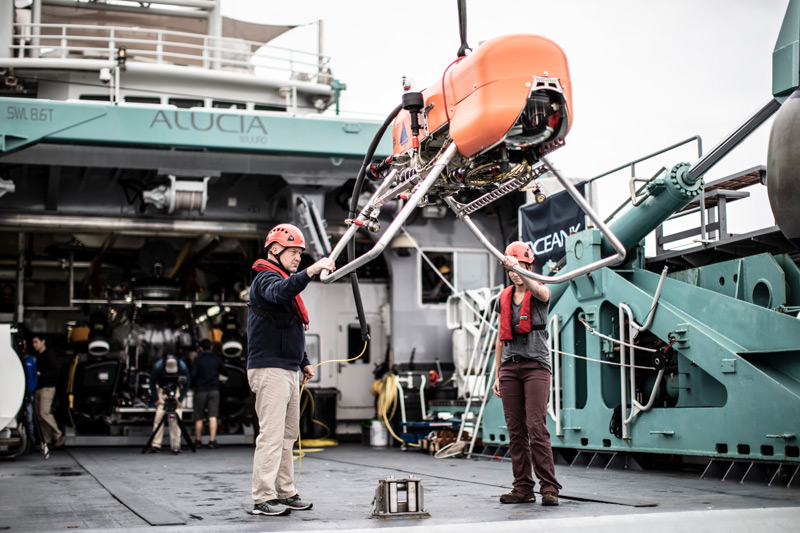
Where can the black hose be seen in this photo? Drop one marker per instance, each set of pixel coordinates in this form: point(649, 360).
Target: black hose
point(462, 28)
point(351, 246)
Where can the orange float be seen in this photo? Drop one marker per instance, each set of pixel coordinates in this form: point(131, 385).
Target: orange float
point(513, 89)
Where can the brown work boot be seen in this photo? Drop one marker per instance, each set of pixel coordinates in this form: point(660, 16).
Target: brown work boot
point(517, 497)
point(549, 498)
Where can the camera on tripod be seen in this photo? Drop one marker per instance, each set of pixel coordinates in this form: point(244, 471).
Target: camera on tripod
point(170, 392)
point(171, 378)
point(171, 383)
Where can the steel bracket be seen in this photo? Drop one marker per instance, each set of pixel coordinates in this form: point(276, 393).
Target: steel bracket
point(399, 498)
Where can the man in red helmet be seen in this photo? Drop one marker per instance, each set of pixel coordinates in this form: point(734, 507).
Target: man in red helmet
point(276, 357)
point(522, 370)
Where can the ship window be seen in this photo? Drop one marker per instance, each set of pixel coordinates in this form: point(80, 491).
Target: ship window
point(224, 104)
point(143, 99)
point(355, 344)
point(186, 103)
point(434, 289)
point(269, 107)
point(95, 97)
point(463, 270)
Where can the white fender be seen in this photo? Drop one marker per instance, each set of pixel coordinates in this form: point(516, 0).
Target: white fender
point(12, 379)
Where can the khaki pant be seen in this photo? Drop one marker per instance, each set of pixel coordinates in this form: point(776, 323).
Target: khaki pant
point(278, 408)
point(47, 422)
point(174, 430)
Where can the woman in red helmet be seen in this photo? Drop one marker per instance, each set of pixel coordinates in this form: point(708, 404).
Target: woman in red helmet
point(276, 356)
point(522, 367)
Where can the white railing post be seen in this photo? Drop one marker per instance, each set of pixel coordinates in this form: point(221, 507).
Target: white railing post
point(623, 386)
point(554, 402)
point(636, 406)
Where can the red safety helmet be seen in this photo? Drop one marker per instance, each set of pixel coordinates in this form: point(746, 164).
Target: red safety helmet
point(287, 236)
point(521, 251)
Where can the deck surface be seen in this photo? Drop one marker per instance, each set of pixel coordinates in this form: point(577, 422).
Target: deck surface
point(119, 489)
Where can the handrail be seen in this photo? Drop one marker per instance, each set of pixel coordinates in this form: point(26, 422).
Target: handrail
point(211, 51)
point(632, 164)
point(636, 406)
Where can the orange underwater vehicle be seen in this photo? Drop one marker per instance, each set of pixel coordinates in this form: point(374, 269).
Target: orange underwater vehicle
point(485, 127)
point(513, 93)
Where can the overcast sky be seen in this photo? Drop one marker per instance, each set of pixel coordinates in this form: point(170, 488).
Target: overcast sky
point(645, 74)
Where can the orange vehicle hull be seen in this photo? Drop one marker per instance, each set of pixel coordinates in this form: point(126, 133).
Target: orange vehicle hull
point(481, 97)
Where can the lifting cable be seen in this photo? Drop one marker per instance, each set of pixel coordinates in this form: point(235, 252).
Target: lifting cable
point(303, 388)
point(462, 28)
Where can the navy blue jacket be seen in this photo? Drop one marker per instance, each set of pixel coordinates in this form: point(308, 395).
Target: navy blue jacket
point(31, 375)
point(206, 368)
point(158, 378)
point(268, 345)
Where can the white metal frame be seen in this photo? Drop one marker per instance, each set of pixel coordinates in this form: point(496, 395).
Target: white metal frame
point(633, 331)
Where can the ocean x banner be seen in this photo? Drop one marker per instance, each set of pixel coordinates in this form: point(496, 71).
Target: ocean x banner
point(545, 226)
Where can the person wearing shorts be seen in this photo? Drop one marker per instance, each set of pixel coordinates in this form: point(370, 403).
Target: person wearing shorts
point(206, 369)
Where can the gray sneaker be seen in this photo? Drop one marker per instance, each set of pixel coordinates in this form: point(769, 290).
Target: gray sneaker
point(296, 504)
point(271, 508)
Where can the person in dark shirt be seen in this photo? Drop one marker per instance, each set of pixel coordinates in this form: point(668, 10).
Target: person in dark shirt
point(46, 390)
point(276, 363)
point(206, 369)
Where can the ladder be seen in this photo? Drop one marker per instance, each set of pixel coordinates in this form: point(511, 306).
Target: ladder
point(475, 382)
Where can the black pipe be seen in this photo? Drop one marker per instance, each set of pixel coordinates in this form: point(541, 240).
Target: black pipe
point(351, 246)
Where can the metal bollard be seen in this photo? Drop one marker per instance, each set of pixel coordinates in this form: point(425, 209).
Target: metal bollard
point(399, 498)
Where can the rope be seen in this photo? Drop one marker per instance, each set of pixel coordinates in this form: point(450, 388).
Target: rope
point(303, 388)
point(70, 386)
point(387, 405)
point(593, 332)
point(603, 362)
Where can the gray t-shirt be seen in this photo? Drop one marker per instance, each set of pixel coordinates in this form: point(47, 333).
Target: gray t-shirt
point(532, 345)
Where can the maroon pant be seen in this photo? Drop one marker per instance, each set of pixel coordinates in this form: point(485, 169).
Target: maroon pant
point(525, 387)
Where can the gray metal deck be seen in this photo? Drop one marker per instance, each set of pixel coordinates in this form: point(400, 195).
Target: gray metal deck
point(119, 489)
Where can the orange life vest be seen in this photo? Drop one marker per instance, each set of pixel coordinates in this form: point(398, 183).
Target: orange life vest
point(506, 331)
point(299, 307)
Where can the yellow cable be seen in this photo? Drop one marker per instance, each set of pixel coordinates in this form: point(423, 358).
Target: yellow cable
point(387, 401)
point(302, 388)
point(70, 385)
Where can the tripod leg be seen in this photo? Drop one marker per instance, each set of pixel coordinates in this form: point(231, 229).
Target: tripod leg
point(153, 434)
point(185, 435)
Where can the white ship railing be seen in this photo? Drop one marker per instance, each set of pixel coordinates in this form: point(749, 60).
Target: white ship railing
point(83, 41)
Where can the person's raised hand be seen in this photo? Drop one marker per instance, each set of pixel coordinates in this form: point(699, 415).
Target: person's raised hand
point(326, 263)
